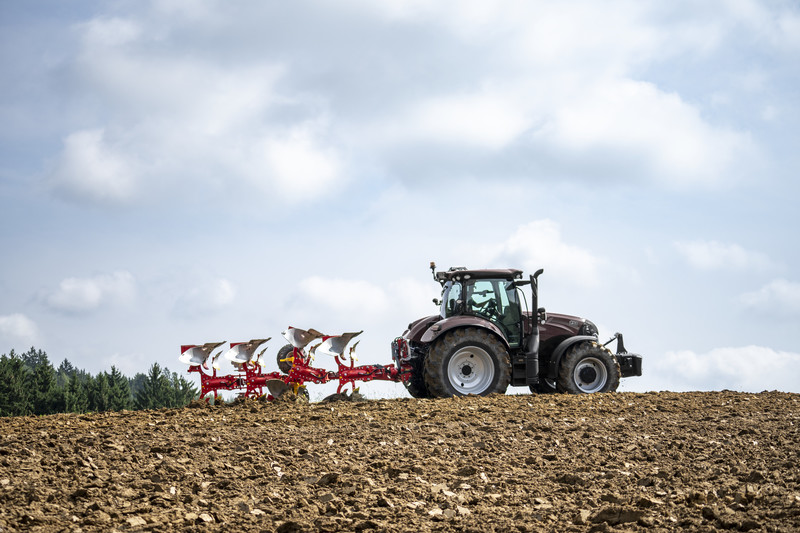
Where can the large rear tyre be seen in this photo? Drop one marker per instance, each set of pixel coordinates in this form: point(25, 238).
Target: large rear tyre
point(467, 361)
point(588, 368)
point(416, 385)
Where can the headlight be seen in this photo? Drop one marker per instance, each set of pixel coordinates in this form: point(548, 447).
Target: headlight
point(589, 329)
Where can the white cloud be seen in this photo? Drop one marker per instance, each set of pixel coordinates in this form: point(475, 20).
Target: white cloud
point(208, 297)
point(412, 297)
point(747, 368)
point(539, 245)
point(109, 32)
point(775, 24)
point(300, 167)
point(18, 329)
point(363, 302)
point(153, 78)
point(85, 295)
point(657, 132)
point(486, 119)
point(778, 298)
point(183, 102)
point(560, 83)
point(629, 30)
point(91, 169)
point(789, 34)
point(344, 296)
point(182, 119)
point(713, 255)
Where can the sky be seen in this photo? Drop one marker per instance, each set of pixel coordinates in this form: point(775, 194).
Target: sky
point(179, 172)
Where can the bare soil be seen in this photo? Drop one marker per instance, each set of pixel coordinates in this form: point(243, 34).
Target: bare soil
point(606, 462)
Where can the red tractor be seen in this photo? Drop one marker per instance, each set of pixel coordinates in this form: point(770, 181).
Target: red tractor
point(485, 339)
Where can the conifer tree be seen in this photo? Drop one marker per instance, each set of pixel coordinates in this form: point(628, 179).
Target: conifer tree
point(63, 373)
point(99, 393)
point(33, 358)
point(29, 384)
point(76, 398)
point(189, 391)
point(137, 384)
point(41, 380)
point(183, 391)
point(119, 391)
point(14, 393)
point(156, 390)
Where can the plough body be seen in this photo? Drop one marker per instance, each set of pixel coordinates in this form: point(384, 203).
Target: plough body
point(250, 380)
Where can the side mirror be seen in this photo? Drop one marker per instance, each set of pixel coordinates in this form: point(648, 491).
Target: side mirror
point(437, 301)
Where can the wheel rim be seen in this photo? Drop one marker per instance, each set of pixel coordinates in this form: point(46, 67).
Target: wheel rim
point(470, 370)
point(590, 375)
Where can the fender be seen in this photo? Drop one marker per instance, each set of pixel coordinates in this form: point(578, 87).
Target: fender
point(555, 359)
point(443, 326)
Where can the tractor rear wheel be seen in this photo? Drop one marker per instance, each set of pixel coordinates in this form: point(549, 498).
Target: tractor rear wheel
point(467, 361)
point(416, 385)
point(588, 368)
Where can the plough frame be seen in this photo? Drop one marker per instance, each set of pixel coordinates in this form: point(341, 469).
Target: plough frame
point(250, 380)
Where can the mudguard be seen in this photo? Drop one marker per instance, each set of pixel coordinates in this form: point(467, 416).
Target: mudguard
point(555, 359)
point(447, 324)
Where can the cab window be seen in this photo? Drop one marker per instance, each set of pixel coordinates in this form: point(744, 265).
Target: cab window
point(451, 299)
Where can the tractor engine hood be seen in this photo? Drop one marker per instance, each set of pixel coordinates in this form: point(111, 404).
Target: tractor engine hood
point(560, 324)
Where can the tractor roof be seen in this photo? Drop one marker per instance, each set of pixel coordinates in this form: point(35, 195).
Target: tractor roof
point(460, 273)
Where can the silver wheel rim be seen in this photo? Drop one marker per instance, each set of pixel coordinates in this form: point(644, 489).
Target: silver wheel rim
point(590, 375)
point(470, 370)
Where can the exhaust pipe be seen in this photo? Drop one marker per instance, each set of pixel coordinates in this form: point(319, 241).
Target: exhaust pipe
point(532, 346)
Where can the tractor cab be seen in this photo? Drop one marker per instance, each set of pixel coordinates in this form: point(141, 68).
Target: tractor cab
point(495, 299)
point(488, 294)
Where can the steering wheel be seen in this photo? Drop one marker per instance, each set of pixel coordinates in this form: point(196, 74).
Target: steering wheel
point(487, 308)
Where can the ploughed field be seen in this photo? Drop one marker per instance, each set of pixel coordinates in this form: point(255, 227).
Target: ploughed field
point(606, 462)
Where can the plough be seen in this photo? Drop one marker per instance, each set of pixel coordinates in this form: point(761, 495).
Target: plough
point(294, 363)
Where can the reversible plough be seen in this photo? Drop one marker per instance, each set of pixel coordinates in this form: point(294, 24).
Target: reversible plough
point(294, 361)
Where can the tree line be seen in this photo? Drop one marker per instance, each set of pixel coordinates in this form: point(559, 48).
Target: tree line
point(30, 385)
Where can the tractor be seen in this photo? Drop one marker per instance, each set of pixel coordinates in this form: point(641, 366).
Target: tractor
point(484, 339)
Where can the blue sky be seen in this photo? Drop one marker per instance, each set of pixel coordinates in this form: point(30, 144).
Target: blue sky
point(177, 172)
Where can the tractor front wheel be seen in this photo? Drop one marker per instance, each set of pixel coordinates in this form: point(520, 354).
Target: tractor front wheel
point(467, 361)
point(588, 368)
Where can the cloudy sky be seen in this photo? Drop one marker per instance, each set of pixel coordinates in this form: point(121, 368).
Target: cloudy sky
point(177, 172)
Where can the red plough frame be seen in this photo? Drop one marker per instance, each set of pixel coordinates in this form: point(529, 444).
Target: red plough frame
point(250, 380)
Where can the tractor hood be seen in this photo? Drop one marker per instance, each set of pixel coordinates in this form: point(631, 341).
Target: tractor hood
point(558, 324)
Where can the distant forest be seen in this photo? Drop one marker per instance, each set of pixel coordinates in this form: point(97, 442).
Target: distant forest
point(30, 385)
